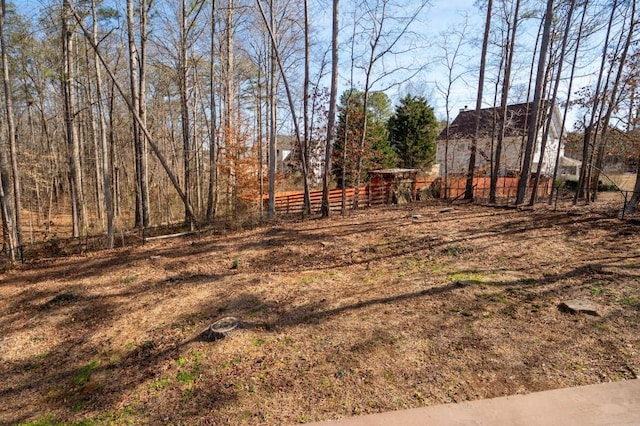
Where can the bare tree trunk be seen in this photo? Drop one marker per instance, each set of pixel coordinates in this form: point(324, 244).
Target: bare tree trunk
point(142, 91)
point(135, 100)
point(11, 130)
point(632, 205)
point(112, 151)
point(305, 89)
point(506, 84)
point(184, 111)
point(580, 191)
point(68, 87)
point(530, 80)
point(363, 137)
point(345, 147)
point(213, 140)
point(8, 218)
point(552, 107)
point(229, 130)
point(612, 104)
point(196, 145)
point(136, 116)
point(597, 138)
point(273, 137)
point(32, 136)
point(331, 124)
point(259, 139)
point(98, 189)
point(468, 192)
point(285, 81)
point(8, 228)
point(450, 60)
point(106, 166)
point(537, 98)
point(566, 108)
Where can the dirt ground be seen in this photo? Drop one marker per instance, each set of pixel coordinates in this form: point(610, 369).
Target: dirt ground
point(386, 309)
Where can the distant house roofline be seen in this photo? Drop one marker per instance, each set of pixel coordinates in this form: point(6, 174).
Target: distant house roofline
point(517, 121)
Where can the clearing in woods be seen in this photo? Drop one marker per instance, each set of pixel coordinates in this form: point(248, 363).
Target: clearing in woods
point(386, 309)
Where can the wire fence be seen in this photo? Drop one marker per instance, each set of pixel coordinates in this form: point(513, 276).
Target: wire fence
point(290, 206)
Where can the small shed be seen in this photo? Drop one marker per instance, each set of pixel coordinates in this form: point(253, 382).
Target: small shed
point(393, 186)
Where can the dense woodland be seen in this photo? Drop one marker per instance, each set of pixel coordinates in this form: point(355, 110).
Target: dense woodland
point(129, 115)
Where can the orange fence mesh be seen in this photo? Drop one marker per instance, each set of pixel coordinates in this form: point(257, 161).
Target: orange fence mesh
point(291, 202)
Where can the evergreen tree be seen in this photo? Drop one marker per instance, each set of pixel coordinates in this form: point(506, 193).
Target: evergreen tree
point(413, 130)
point(377, 152)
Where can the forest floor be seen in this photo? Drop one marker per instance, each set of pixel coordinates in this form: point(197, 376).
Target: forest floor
point(386, 309)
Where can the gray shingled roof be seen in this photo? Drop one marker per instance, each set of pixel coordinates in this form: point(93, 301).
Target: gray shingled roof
point(463, 127)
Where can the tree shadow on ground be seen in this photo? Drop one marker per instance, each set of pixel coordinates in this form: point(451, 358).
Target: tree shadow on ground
point(54, 376)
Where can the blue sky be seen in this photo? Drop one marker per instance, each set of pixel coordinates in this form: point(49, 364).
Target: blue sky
point(439, 17)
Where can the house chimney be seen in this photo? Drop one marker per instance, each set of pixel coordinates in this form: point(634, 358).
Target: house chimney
point(464, 109)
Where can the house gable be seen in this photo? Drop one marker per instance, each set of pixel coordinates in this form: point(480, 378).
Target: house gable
point(518, 119)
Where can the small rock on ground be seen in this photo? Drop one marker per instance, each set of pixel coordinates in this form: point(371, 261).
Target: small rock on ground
point(579, 307)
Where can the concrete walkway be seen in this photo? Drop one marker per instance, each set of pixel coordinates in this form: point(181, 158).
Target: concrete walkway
point(603, 404)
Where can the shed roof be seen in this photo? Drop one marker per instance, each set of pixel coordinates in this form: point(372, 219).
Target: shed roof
point(394, 171)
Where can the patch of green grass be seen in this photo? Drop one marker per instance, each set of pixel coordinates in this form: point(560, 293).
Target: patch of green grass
point(415, 264)
point(373, 276)
point(85, 422)
point(256, 311)
point(597, 290)
point(197, 356)
point(308, 280)
point(115, 358)
point(257, 342)
point(43, 420)
point(456, 250)
point(600, 325)
point(235, 264)
point(111, 417)
point(78, 406)
point(129, 279)
point(437, 267)
point(224, 366)
point(286, 341)
point(245, 387)
point(468, 278)
point(159, 385)
point(629, 300)
point(186, 377)
point(315, 277)
point(83, 376)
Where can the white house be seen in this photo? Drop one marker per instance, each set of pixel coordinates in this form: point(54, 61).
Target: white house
point(457, 144)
